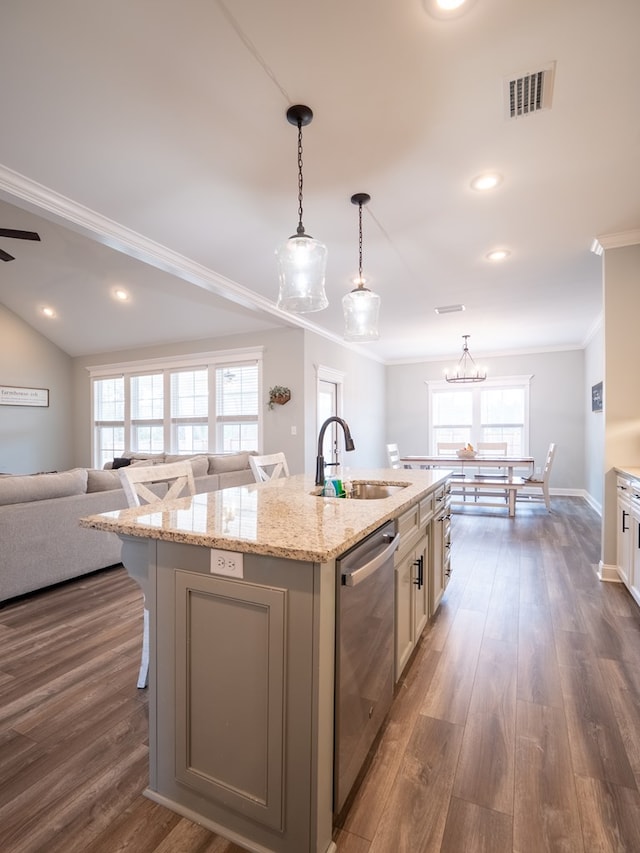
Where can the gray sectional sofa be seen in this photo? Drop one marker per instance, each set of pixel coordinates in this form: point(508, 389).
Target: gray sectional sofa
point(41, 542)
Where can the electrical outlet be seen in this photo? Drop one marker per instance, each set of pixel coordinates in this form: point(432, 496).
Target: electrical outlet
point(227, 563)
point(538, 470)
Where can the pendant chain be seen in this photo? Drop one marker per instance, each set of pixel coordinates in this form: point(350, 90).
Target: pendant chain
point(300, 225)
point(360, 281)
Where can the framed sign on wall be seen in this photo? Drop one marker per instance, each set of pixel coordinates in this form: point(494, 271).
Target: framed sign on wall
point(13, 396)
point(596, 397)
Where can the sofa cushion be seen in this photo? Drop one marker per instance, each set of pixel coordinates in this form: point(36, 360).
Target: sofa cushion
point(40, 487)
point(99, 480)
point(150, 458)
point(199, 462)
point(224, 462)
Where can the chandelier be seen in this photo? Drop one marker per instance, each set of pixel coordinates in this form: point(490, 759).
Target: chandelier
point(466, 370)
point(361, 306)
point(301, 259)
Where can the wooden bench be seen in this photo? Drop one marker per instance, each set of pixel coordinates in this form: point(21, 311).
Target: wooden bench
point(466, 489)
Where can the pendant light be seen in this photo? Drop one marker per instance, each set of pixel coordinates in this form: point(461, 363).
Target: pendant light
point(361, 306)
point(466, 370)
point(301, 259)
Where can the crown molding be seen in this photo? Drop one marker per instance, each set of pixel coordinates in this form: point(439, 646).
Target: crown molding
point(615, 241)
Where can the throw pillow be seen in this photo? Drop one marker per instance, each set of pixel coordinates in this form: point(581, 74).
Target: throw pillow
point(120, 462)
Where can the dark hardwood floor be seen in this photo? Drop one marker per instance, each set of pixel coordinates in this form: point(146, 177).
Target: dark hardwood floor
point(516, 727)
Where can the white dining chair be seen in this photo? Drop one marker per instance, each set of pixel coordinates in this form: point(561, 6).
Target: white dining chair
point(448, 448)
point(179, 478)
point(492, 448)
point(393, 456)
point(541, 483)
point(269, 467)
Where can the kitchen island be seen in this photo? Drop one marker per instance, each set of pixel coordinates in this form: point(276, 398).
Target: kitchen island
point(241, 589)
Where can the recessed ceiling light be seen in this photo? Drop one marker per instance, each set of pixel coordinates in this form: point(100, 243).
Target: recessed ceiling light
point(447, 8)
point(448, 309)
point(48, 312)
point(486, 181)
point(498, 255)
point(121, 294)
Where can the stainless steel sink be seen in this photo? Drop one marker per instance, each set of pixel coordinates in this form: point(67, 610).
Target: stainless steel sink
point(375, 491)
point(370, 491)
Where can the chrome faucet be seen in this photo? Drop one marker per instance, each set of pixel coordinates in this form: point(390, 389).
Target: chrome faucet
point(348, 445)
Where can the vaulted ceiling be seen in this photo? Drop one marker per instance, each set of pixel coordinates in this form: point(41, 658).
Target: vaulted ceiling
point(147, 144)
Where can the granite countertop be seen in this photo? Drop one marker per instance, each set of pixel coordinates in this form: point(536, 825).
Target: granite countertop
point(279, 518)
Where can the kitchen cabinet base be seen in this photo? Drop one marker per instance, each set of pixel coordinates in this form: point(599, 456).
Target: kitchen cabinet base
point(212, 826)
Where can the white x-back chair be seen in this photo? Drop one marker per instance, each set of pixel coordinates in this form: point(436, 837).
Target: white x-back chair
point(179, 478)
point(269, 467)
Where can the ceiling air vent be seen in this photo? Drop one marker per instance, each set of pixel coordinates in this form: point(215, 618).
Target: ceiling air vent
point(448, 309)
point(529, 93)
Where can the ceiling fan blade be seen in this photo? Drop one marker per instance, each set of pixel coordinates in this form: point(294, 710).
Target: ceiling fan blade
point(19, 235)
point(6, 256)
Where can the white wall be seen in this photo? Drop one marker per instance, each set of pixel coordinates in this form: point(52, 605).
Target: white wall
point(364, 402)
point(34, 438)
point(557, 407)
point(594, 421)
point(621, 389)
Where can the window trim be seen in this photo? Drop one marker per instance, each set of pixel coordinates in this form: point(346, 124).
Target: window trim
point(523, 381)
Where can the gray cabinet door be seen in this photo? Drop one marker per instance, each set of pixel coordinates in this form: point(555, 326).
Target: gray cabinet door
point(230, 679)
point(241, 697)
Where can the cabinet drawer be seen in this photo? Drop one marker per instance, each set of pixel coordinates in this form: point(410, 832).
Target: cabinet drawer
point(426, 509)
point(441, 497)
point(408, 523)
point(623, 484)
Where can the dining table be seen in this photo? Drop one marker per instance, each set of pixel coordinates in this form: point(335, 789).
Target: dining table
point(471, 462)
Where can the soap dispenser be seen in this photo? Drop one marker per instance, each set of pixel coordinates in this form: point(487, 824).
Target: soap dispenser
point(329, 490)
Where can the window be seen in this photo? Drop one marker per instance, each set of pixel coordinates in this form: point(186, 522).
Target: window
point(190, 411)
point(108, 408)
point(195, 405)
point(147, 413)
point(236, 408)
point(494, 410)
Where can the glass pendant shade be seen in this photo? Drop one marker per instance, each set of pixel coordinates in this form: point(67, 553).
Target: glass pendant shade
point(302, 263)
point(361, 308)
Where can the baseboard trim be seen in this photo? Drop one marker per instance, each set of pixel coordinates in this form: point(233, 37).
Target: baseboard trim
point(608, 574)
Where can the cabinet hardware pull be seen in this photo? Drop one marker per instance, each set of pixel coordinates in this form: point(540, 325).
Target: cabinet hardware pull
point(419, 563)
point(624, 515)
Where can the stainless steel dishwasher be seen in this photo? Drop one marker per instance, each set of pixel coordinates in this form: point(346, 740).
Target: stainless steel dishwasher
point(364, 652)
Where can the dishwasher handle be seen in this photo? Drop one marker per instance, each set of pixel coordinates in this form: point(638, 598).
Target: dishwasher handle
point(361, 574)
